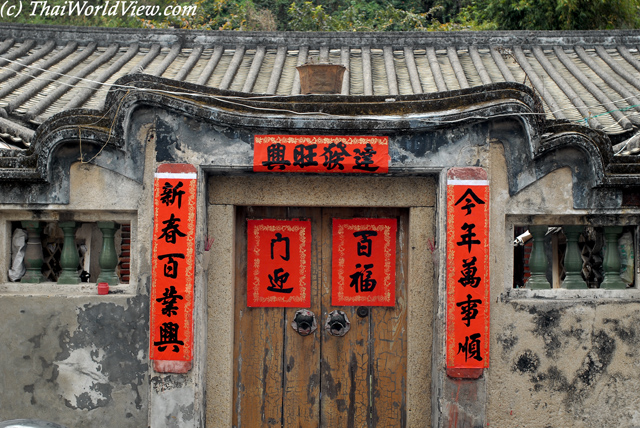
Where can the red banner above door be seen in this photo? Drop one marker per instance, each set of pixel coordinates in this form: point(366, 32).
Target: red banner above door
point(316, 153)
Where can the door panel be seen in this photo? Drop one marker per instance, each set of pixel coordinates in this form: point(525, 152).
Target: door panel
point(258, 349)
point(302, 353)
point(364, 372)
point(284, 379)
point(276, 371)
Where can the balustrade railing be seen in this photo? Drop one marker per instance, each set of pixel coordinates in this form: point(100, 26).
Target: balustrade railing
point(68, 258)
point(575, 257)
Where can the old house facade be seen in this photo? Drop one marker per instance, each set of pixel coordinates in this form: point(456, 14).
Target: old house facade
point(91, 119)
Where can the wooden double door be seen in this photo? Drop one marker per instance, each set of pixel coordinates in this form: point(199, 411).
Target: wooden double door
point(283, 379)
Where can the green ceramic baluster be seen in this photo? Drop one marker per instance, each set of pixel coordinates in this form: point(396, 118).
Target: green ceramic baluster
point(69, 258)
point(108, 257)
point(538, 260)
point(573, 259)
point(612, 280)
point(33, 259)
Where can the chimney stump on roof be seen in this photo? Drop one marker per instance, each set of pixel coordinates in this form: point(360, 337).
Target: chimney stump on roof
point(321, 78)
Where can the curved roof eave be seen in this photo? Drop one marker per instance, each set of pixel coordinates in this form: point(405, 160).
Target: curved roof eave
point(305, 114)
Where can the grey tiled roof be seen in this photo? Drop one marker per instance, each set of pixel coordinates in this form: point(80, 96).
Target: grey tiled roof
point(588, 77)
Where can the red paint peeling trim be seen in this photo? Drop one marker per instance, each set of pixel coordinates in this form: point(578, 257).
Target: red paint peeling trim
point(168, 366)
point(176, 168)
point(467, 173)
point(464, 373)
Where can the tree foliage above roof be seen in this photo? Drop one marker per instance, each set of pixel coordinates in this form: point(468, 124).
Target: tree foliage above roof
point(559, 14)
point(355, 15)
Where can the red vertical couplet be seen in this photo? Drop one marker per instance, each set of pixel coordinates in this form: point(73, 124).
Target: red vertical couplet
point(278, 263)
point(173, 258)
point(467, 270)
point(364, 262)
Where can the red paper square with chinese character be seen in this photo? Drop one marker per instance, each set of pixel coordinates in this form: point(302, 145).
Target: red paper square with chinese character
point(278, 263)
point(364, 262)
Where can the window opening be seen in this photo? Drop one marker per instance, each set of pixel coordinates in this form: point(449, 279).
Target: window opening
point(87, 237)
point(574, 256)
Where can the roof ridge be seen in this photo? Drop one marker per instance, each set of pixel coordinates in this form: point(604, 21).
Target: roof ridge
point(148, 36)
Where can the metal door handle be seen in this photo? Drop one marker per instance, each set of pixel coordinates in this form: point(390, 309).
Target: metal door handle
point(304, 322)
point(337, 323)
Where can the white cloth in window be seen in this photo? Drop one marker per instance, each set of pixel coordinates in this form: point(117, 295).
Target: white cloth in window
point(18, 248)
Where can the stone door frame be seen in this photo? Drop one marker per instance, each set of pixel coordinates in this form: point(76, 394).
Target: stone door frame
point(418, 193)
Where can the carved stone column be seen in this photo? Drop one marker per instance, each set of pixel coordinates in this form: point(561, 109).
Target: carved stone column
point(108, 257)
point(33, 259)
point(573, 259)
point(69, 257)
point(612, 280)
point(538, 260)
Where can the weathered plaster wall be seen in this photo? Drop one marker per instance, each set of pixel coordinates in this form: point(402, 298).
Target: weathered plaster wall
point(558, 357)
point(565, 363)
point(75, 360)
point(68, 355)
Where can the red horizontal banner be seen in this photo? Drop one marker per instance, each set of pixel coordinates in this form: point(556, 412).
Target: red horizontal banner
point(173, 257)
point(315, 153)
point(278, 263)
point(364, 262)
point(467, 269)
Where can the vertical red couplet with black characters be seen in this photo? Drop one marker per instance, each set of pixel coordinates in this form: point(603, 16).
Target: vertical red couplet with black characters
point(467, 270)
point(173, 259)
